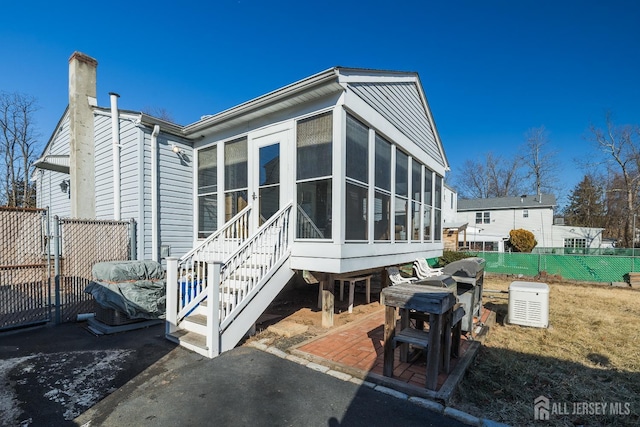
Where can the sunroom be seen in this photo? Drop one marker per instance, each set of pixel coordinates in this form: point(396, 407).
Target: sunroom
point(355, 152)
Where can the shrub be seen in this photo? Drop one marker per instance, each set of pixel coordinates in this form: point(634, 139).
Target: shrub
point(522, 240)
point(450, 256)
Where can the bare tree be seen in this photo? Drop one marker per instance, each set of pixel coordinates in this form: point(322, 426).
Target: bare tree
point(160, 113)
point(621, 146)
point(540, 161)
point(495, 176)
point(18, 144)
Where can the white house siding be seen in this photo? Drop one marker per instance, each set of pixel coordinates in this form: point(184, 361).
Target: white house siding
point(130, 172)
point(449, 206)
point(592, 236)
point(49, 195)
point(401, 105)
point(103, 159)
point(175, 175)
point(175, 201)
point(48, 192)
point(539, 222)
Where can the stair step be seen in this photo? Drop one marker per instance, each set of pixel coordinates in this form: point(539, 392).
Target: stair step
point(200, 319)
point(192, 338)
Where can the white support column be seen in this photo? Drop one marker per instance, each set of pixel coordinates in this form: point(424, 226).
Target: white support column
point(213, 308)
point(172, 295)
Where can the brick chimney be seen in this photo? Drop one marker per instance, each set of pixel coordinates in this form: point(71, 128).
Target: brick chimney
point(82, 97)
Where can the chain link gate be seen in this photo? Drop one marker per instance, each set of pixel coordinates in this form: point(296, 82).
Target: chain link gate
point(25, 296)
point(78, 245)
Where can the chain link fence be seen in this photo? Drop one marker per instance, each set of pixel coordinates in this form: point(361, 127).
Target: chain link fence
point(588, 268)
point(83, 244)
point(25, 296)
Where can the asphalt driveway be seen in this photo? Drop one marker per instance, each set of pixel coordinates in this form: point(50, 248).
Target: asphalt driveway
point(63, 375)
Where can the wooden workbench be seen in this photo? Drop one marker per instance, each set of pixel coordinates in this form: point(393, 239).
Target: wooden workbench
point(438, 303)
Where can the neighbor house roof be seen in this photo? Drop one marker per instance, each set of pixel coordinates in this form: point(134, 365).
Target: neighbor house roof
point(521, 202)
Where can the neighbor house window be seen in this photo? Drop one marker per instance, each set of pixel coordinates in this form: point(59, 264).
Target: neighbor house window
point(313, 176)
point(525, 213)
point(235, 177)
point(483, 217)
point(357, 180)
point(382, 202)
point(575, 243)
point(207, 191)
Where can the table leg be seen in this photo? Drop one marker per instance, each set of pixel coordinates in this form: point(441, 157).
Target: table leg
point(389, 333)
point(456, 334)
point(446, 342)
point(434, 350)
point(404, 323)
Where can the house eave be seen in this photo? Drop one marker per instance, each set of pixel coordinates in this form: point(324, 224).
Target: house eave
point(205, 126)
point(56, 163)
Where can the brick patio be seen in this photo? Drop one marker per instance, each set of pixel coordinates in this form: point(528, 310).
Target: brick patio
point(358, 347)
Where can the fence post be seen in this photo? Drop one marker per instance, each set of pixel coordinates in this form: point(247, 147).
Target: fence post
point(213, 308)
point(171, 315)
point(133, 240)
point(539, 262)
point(56, 265)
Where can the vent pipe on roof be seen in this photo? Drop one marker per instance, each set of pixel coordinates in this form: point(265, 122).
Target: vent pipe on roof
point(115, 136)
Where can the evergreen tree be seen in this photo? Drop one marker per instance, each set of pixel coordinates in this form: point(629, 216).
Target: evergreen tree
point(586, 207)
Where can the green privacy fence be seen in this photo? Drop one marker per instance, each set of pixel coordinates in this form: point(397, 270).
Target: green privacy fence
point(589, 268)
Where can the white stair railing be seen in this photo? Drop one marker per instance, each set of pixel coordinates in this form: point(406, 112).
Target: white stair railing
point(192, 267)
point(244, 272)
point(307, 229)
point(237, 277)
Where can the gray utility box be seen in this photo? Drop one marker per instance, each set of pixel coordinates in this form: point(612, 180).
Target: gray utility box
point(469, 276)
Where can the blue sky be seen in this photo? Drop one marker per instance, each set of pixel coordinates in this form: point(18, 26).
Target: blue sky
point(491, 70)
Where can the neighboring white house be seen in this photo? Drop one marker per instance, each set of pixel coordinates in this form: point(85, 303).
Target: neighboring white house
point(349, 158)
point(491, 220)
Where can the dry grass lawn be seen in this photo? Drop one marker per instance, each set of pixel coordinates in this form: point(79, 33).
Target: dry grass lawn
point(590, 353)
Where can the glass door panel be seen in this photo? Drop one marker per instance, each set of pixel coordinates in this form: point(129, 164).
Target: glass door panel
point(269, 181)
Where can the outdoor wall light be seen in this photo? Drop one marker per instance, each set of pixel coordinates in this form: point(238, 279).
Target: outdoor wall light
point(64, 185)
point(176, 149)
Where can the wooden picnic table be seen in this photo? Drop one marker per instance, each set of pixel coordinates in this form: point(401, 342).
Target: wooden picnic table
point(439, 304)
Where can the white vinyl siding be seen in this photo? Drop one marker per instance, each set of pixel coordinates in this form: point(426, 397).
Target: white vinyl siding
point(48, 193)
point(400, 103)
point(103, 169)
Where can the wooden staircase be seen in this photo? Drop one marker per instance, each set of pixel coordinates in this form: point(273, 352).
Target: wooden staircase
point(243, 284)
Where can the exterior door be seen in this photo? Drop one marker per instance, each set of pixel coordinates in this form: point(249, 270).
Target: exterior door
point(267, 191)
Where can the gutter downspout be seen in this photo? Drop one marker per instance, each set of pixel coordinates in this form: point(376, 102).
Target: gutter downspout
point(115, 136)
point(154, 193)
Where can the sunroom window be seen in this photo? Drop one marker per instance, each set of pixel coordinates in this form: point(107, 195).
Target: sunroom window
point(416, 190)
point(313, 177)
point(357, 179)
point(382, 202)
point(402, 193)
point(437, 214)
point(235, 177)
point(207, 191)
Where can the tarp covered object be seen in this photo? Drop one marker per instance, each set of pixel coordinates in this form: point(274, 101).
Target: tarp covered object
point(120, 271)
point(141, 299)
point(136, 288)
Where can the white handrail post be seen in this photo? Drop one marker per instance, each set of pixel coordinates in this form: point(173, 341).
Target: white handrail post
point(213, 308)
point(171, 315)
